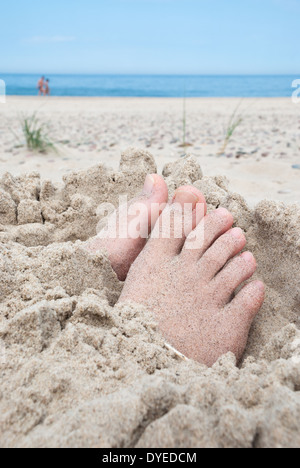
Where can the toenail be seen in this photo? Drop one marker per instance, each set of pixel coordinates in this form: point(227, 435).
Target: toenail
point(149, 185)
point(261, 286)
point(222, 211)
point(224, 215)
point(184, 197)
point(247, 256)
point(237, 233)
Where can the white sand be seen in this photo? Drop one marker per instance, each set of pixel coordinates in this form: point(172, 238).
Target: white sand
point(98, 129)
point(77, 370)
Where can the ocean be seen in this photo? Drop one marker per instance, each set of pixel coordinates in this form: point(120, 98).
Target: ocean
point(154, 85)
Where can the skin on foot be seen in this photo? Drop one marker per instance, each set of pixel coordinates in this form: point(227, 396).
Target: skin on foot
point(189, 282)
point(122, 247)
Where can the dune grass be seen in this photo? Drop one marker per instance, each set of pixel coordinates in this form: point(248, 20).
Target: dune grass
point(235, 121)
point(184, 143)
point(35, 134)
point(184, 123)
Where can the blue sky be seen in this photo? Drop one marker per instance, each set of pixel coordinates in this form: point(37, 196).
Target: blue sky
point(150, 36)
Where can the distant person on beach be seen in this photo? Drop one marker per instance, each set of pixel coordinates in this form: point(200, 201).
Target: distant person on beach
point(47, 88)
point(40, 85)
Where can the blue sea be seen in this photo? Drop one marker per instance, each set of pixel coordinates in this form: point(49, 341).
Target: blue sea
point(154, 85)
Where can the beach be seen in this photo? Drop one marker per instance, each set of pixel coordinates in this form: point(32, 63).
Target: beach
point(80, 370)
point(258, 160)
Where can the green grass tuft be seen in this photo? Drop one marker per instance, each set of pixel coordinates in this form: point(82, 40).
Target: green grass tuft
point(235, 121)
point(36, 135)
point(184, 123)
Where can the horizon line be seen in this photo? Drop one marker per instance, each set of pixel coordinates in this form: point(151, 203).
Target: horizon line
point(151, 74)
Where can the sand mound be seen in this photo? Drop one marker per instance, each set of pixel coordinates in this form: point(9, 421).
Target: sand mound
point(78, 371)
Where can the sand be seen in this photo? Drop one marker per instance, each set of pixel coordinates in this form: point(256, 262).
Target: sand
point(258, 160)
point(79, 371)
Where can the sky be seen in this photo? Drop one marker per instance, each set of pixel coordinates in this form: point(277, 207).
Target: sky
point(150, 36)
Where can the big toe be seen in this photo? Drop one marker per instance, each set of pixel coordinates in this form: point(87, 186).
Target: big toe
point(154, 197)
point(129, 227)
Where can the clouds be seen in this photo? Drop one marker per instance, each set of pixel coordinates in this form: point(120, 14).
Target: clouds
point(49, 39)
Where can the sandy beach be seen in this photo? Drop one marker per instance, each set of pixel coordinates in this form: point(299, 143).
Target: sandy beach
point(77, 370)
point(257, 162)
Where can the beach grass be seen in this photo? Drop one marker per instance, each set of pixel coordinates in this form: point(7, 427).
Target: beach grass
point(36, 135)
point(235, 121)
point(184, 123)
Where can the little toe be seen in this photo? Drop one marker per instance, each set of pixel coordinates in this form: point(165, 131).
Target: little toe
point(240, 313)
point(232, 276)
point(211, 227)
point(223, 249)
point(248, 302)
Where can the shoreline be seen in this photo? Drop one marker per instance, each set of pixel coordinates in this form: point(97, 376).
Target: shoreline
point(205, 98)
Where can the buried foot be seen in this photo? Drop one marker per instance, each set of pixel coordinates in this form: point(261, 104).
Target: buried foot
point(123, 240)
point(189, 280)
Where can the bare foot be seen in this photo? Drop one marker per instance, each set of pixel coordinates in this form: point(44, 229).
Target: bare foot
point(191, 290)
point(123, 247)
